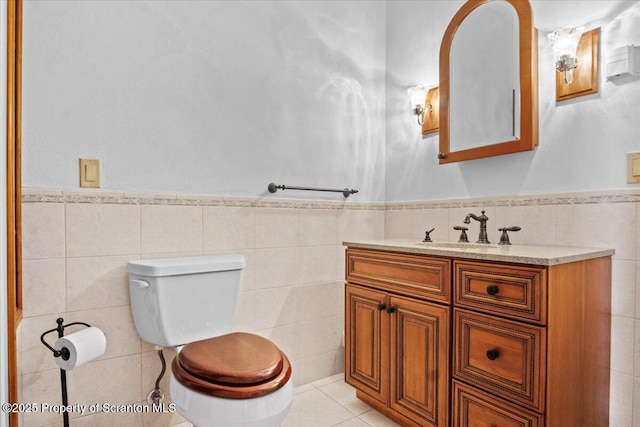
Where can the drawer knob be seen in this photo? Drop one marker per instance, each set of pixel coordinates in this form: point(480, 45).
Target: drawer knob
point(493, 289)
point(492, 354)
point(381, 306)
point(391, 309)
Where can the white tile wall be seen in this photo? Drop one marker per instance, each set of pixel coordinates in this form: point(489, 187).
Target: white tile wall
point(95, 282)
point(100, 229)
point(228, 228)
point(43, 231)
point(74, 267)
point(75, 256)
point(170, 229)
point(44, 284)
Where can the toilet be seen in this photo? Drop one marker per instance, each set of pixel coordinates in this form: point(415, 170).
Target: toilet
point(219, 378)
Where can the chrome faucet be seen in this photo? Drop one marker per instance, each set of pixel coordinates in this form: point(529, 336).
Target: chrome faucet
point(482, 238)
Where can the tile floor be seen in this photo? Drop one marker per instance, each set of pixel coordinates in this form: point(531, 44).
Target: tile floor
point(330, 402)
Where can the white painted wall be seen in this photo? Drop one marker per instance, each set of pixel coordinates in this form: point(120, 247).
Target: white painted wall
point(208, 97)
point(224, 97)
point(4, 364)
point(583, 143)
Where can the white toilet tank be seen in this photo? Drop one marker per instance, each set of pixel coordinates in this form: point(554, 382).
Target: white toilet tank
point(180, 300)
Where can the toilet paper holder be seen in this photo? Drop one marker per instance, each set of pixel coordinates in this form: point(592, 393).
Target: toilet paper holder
point(64, 354)
point(64, 351)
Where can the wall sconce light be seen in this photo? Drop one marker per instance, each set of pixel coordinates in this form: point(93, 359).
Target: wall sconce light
point(576, 60)
point(418, 96)
point(431, 115)
point(565, 45)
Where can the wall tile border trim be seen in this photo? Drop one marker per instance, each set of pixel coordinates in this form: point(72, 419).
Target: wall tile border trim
point(613, 196)
point(36, 195)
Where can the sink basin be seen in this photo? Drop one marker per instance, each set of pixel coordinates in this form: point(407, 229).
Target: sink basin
point(457, 245)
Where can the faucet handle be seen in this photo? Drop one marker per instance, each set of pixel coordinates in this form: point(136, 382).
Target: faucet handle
point(463, 234)
point(504, 237)
point(427, 238)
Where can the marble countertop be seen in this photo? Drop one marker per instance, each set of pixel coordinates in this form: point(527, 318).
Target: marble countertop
point(520, 254)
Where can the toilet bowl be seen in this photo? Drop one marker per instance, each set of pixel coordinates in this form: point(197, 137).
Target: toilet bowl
point(202, 410)
point(238, 379)
point(218, 378)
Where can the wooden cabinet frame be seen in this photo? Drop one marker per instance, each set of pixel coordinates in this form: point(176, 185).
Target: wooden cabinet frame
point(517, 344)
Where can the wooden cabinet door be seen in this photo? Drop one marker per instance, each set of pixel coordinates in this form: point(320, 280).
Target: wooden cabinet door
point(419, 337)
point(367, 341)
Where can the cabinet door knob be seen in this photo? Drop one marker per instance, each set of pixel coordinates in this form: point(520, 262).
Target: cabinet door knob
point(391, 309)
point(381, 306)
point(492, 354)
point(493, 289)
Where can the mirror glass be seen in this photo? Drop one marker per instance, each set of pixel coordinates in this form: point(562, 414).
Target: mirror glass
point(488, 81)
point(485, 78)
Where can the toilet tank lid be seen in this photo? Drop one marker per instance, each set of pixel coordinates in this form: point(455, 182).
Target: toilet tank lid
point(188, 265)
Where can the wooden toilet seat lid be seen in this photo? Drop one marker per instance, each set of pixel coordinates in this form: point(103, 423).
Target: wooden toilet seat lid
point(237, 358)
point(237, 365)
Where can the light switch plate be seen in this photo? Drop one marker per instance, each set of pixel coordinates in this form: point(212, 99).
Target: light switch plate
point(633, 168)
point(90, 173)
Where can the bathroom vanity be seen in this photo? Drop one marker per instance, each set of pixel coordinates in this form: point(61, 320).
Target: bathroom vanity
point(462, 334)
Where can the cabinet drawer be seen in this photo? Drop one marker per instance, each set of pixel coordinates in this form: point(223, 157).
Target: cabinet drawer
point(501, 356)
point(410, 275)
point(472, 407)
point(513, 291)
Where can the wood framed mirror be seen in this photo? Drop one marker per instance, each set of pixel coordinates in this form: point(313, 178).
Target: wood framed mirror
point(488, 81)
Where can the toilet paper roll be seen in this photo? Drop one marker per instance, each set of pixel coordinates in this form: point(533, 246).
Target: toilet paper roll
point(83, 346)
